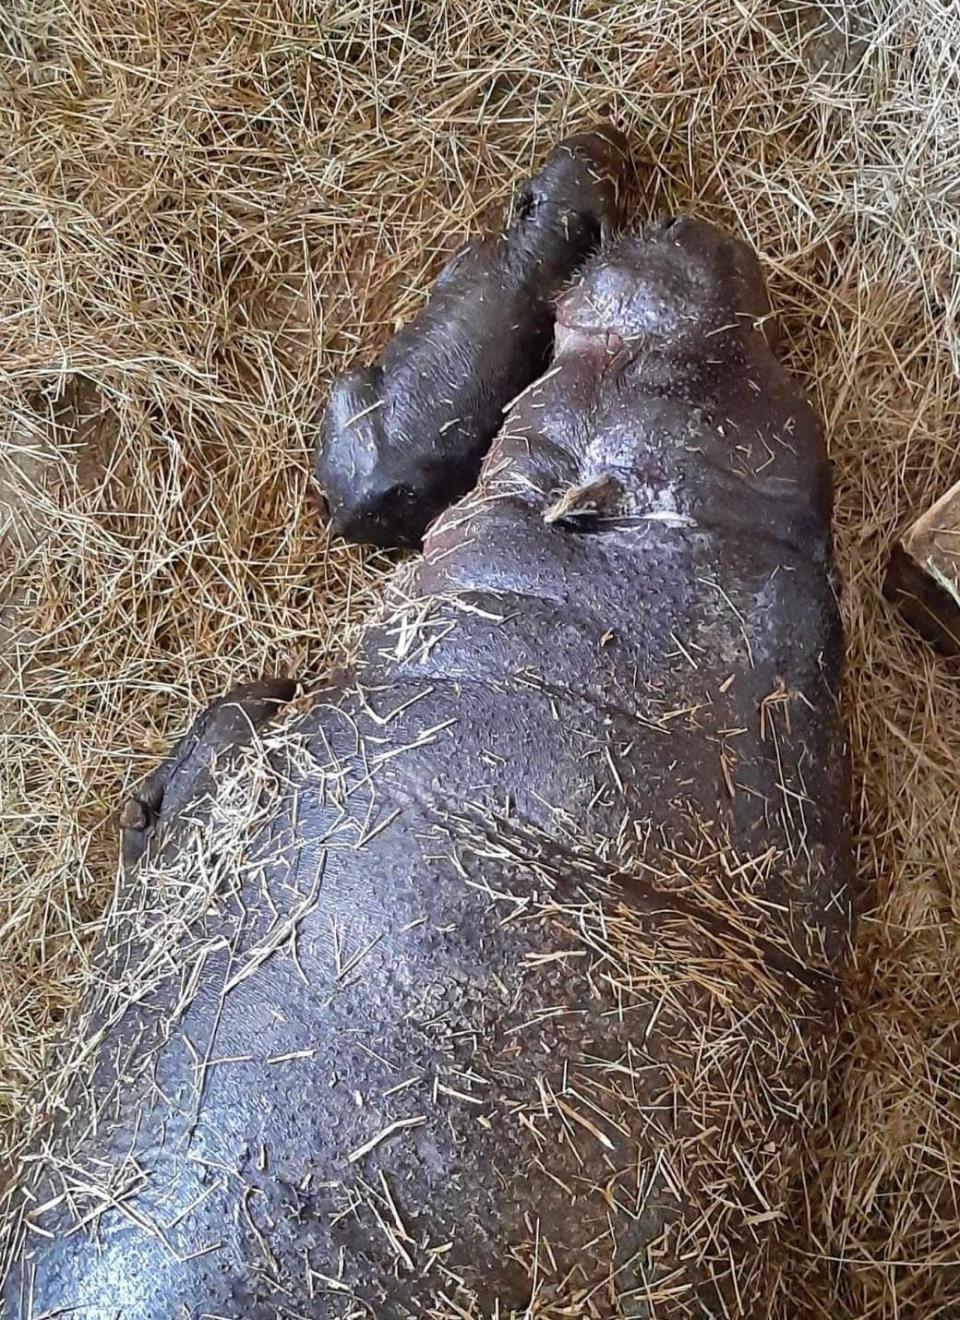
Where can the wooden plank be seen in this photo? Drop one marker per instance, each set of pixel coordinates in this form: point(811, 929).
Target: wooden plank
point(923, 577)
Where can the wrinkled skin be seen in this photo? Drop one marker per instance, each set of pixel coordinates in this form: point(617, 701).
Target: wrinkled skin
point(507, 1000)
point(404, 438)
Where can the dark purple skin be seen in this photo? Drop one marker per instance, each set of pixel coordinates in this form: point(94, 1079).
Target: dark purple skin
point(507, 1001)
point(403, 438)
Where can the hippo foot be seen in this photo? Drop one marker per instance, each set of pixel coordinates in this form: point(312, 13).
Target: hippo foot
point(229, 722)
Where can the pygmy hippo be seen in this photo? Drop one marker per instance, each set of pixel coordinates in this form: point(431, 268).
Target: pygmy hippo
point(402, 439)
point(494, 981)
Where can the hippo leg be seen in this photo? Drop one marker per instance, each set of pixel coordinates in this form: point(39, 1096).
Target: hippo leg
point(229, 722)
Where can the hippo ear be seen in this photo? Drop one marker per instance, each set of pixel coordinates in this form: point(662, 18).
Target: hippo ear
point(525, 201)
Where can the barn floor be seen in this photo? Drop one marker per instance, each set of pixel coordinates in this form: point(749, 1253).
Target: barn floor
point(209, 207)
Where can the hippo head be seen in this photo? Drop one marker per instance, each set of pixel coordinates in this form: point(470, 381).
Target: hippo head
point(581, 186)
point(681, 281)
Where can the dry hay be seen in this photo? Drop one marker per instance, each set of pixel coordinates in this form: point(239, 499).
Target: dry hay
point(207, 208)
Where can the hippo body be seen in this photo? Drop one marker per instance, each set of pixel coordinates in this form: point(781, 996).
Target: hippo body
point(404, 438)
point(491, 984)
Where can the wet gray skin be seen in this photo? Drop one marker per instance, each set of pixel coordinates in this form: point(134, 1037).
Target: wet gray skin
point(507, 993)
point(403, 438)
